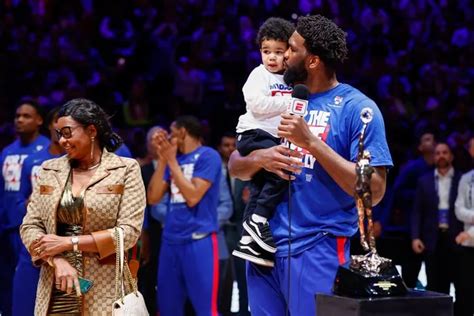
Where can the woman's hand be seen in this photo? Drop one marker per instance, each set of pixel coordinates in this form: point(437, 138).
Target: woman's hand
point(50, 245)
point(65, 276)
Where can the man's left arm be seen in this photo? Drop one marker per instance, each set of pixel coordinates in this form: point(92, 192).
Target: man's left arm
point(194, 189)
point(341, 170)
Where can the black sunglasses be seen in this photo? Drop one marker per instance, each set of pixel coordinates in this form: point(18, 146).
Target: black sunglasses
point(65, 132)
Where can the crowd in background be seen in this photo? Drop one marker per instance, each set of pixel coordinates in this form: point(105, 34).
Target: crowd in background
point(146, 62)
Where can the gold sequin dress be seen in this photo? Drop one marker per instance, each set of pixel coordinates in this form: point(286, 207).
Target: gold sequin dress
point(69, 223)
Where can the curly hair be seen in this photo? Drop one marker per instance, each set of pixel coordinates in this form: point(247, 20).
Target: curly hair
point(87, 112)
point(277, 29)
point(323, 38)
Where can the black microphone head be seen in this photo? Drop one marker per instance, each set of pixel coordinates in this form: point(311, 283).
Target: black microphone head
point(300, 91)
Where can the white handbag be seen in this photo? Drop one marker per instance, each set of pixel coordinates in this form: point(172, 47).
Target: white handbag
point(133, 303)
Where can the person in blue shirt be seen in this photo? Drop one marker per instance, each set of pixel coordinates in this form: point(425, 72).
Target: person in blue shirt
point(26, 276)
point(322, 208)
point(189, 261)
point(28, 121)
point(123, 151)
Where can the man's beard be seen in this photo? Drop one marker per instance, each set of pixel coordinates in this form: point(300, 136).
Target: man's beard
point(442, 163)
point(295, 74)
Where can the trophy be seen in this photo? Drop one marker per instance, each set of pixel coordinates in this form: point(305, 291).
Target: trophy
point(368, 275)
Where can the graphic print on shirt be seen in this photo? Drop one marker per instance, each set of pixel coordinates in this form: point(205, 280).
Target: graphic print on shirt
point(318, 123)
point(176, 196)
point(279, 89)
point(12, 171)
point(34, 175)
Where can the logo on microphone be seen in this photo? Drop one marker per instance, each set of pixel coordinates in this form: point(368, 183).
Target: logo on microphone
point(298, 106)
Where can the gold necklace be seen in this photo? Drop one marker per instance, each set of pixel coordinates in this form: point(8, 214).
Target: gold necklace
point(88, 168)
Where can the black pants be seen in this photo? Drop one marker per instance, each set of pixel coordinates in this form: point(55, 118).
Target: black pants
point(266, 188)
point(397, 246)
point(443, 267)
point(465, 292)
point(147, 273)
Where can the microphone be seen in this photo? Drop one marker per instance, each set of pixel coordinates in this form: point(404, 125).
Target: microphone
point(298, 106)
point(299, 100)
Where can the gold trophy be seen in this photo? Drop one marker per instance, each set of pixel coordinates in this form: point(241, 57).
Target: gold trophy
point(368, 275)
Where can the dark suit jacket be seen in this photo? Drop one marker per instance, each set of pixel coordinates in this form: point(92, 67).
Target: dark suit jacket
point(424, 219)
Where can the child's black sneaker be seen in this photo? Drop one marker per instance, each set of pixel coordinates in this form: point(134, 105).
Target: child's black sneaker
point(254, 253)
point(261, 233)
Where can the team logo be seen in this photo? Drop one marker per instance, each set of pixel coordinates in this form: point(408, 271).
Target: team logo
point(337, 102)
point(298, 107)
point(366, 115)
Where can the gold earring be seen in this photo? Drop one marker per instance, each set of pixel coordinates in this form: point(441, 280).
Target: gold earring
point(92, 147)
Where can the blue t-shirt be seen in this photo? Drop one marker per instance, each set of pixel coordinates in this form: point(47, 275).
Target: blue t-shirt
point(403, 196)
point(183, 222)
point(11, 160)
point(29, 176)
point(123, 151)
point(318, 204)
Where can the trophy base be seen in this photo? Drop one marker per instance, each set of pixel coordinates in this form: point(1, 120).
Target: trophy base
point(350, 282)
point(414, 303)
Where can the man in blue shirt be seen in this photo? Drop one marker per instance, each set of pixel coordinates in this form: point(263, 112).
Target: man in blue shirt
point(189, 261)
point(28, 120)
point(26, 275)
point(323, 213)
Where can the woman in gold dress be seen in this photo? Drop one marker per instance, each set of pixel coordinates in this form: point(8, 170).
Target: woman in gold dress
point(78, 201)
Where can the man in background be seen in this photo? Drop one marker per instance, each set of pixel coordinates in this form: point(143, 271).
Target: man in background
point(28, 121)
point(26, 277)
point(396, 240)
point(434, 226)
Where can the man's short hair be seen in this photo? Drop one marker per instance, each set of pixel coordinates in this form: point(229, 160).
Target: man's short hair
point(33, 104)
point(323, 38)
point(191, 124)
point(277, 29)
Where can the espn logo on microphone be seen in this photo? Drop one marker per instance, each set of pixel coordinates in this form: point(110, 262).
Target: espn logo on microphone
point(298, 106)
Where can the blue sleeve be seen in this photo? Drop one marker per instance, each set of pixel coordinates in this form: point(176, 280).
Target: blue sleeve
point(224, 208)
point(208, 166)
point(123, 151)
point(25, 184)
point(375, 140)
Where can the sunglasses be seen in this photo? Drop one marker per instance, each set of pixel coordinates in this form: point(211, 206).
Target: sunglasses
point(65, 132)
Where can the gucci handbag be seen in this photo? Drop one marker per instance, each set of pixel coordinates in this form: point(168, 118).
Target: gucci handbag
point(131, 304)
